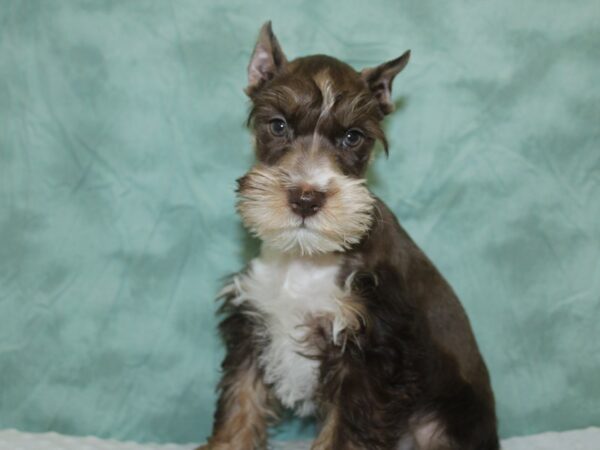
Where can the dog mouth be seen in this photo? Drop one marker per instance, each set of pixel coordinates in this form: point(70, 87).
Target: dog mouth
point(305, 224)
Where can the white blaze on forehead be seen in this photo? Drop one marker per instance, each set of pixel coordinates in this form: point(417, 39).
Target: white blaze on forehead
point(325, 85)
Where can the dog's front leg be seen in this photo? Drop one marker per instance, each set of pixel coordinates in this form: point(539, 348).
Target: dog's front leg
point(355, 409)
point(333, 436)
point(241, 420)
point(245, 403)
point(242, 412)
point(329, 437)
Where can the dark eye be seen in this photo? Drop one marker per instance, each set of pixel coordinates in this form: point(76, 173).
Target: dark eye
point(352, 138)
point(278, 127)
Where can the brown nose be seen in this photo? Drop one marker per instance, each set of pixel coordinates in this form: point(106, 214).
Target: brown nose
point(305, 202)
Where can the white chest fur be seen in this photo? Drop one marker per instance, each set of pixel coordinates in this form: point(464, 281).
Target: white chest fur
point(288, 290)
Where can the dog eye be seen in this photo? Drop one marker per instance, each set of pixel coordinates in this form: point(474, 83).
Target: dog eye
point(278, 127)
point(352, 138)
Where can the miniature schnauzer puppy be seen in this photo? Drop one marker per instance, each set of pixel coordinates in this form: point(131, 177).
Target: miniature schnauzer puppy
point(341, 315)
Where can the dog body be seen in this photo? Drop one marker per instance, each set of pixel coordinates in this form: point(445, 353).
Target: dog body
point(341, 315)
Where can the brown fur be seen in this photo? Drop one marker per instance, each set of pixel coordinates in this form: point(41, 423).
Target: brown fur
point(245, 412)
point(246, 406)
point(406, 371)
point(328, 434)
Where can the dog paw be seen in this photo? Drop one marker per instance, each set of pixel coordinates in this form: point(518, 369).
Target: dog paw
point(322, 330)
point(223, 446)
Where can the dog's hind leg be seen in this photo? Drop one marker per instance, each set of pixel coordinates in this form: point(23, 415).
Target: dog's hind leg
point(464, 419)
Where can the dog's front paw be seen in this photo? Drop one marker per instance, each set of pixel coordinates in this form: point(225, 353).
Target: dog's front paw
point(320, 331)
point(227, 446)
point(215, 446)
point(327, 330)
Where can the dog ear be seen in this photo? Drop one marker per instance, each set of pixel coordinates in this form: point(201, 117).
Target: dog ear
point(267, 59)
point(380, 78)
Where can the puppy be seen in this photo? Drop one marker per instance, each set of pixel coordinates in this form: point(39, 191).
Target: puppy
point(341, 315)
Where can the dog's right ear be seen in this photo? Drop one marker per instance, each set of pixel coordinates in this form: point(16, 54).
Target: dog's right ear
point(267, 59)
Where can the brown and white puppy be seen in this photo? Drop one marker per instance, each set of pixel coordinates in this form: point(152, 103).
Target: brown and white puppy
point(341, 315)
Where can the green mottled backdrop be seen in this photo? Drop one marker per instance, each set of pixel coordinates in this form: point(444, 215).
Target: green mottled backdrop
point(121, 135)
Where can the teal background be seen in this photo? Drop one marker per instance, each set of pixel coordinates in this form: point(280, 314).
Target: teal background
point(121, 135)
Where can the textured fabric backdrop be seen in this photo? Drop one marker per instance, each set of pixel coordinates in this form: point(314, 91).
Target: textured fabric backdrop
point(121, 135)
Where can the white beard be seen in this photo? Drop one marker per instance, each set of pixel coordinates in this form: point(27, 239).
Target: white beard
point(342, 222)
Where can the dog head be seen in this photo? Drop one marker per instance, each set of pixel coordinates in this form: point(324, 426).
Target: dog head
point(315, 121)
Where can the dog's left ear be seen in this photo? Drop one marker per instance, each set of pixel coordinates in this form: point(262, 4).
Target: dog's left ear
point(267, 59)
point(380, 78)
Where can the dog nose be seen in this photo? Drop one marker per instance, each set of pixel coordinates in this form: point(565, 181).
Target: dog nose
point(306, 202)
